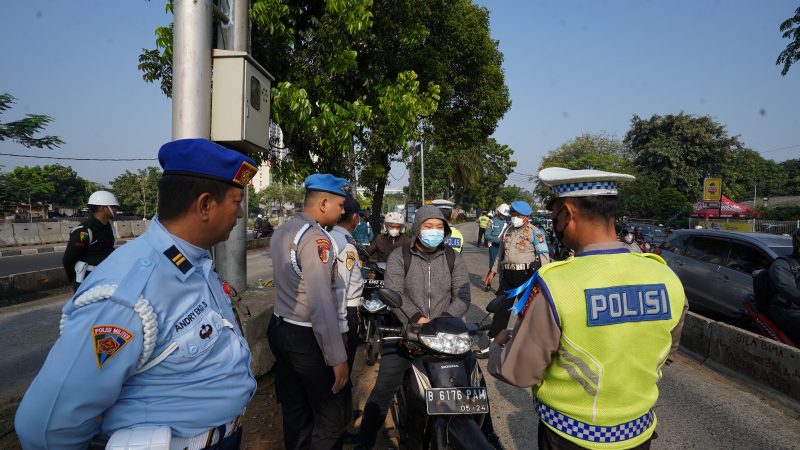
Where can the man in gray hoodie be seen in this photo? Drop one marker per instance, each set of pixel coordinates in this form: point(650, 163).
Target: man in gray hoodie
point(429, 290)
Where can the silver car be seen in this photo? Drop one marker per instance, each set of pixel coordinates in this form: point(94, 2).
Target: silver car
point(716, 267)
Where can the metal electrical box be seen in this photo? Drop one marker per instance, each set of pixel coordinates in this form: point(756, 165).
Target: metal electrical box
point(240, 101)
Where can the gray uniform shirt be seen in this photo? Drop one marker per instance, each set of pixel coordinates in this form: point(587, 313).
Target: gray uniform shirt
point(349, 282)
point(519, 246)
point(309, 298)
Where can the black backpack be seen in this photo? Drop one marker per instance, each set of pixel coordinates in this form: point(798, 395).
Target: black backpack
point(449, 254)
point(763, 290)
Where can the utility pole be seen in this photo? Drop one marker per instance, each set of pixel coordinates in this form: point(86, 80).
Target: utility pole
point(191, 67)
point(422, 169)
point(231, 255)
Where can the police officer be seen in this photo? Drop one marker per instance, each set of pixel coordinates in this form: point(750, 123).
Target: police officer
point(483, 222)
point(91, 242)
point(349, 282)
point(363, 232)
point(523, 251)
point(495, 230)
point(150, 346)
point(455, 240)
point(594, 332)
point(312, 380)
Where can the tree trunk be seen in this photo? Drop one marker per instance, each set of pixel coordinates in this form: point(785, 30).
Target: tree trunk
point(377, 196)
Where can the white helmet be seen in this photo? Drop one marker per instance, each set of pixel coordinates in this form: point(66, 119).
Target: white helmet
point(504, 209)
point(103, 198)
point(698, 227)
point(260, 216)
point(394, 218)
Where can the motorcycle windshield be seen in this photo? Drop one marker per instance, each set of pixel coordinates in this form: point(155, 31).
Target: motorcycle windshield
point(444, 324)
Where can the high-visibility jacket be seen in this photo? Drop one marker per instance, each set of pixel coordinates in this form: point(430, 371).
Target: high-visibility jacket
point(616, 311)
point(456, 239)
point(483, 221)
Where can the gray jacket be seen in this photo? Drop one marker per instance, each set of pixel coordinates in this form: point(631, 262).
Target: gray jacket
point(429, 289)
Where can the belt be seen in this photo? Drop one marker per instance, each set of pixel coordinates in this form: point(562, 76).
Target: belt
point(353, 302)
point(294, 322)
point(593, 433)
point(511, 266)
point(207, 438)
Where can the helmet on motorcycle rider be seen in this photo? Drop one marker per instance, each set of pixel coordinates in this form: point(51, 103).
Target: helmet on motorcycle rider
point(260, 216)
point(394, 218)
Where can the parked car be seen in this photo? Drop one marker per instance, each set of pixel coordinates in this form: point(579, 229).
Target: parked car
point(716, 267)
point(653, 234)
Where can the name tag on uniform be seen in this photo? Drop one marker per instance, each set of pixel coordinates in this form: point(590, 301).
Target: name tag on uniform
point(620, 304)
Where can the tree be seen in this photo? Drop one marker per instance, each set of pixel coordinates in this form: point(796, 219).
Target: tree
point(137, 191)
point(680, 150)
point(49, 184)
point(276, 195)
point(22, 131)
point(791, 54)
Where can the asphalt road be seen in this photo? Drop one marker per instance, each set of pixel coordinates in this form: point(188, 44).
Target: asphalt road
point(28, 330)
point(29, 263)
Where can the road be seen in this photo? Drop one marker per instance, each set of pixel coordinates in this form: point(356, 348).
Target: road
point(28, 330)
point(10, 265)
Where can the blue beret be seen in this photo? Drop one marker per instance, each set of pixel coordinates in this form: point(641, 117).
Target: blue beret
point(522, 208)
point(205, 159)
point(326, 182)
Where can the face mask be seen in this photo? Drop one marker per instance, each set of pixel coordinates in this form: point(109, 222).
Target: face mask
point(628, 238)
point(517, 221)
point(431, 238)
point(394, 232)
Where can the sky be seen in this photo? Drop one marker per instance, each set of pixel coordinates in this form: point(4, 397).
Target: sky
point(572, 67)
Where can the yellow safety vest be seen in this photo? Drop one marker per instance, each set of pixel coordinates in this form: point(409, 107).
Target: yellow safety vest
point(483, 221)
point(616, 310)
point(456, 239)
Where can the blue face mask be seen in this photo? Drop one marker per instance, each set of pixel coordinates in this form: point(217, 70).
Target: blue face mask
point(431, 238)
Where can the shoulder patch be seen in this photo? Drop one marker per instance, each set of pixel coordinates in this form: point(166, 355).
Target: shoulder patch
point(351, 260)
point(177, 258)
point(108, 341)
point(350, 239)
point(324, 250)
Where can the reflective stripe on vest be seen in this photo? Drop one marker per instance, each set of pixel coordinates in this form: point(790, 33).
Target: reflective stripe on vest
point(594, 433)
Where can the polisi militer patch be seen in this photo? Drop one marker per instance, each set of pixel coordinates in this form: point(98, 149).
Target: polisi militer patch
point(324, 250)
point(244, 174)
point(620, 304)
point(178, 259)
point(108, 341)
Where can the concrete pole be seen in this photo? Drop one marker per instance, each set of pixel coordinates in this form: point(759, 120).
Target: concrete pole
point(191, 68)
point(231, 255)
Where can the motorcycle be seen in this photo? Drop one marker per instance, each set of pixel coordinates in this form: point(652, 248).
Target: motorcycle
point(442, 402)
point(761, 324)
point(264, 231)
point(374, 313)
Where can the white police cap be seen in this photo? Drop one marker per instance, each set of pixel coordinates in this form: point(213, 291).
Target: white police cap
point(582, 183)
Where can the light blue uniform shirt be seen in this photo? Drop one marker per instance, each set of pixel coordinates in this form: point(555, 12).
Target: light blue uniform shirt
point(91, 370)
point(363, 233)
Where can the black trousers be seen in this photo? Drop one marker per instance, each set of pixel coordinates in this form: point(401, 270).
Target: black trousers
point(481, 233)
point(352, 336)
point(313, 417)
point(510, 279)
point(550, 440)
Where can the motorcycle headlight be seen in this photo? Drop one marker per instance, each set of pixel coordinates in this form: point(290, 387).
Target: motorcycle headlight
point(452, 344)
point(373, 305)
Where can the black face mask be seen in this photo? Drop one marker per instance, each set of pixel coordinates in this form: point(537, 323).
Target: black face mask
point(556, 222)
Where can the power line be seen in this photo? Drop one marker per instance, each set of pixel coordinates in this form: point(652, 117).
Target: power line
point(77, 159)
point(782, 148)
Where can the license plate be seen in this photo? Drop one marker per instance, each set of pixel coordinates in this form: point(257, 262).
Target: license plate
point(458, 400)
point(373, 283)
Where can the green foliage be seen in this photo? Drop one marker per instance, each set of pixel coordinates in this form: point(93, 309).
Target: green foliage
point(156, 64)
point(780, 213)
point(391, 201)
point(22, 131)
point(50, 184)
point(137, 192)
point(791, 54)
point(508, 194)
point(277, 194)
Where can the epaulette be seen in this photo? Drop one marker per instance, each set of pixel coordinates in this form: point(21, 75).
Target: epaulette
point(176, 257)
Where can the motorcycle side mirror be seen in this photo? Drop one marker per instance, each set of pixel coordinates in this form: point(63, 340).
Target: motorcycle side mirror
point(390, 298)
point(496, 304)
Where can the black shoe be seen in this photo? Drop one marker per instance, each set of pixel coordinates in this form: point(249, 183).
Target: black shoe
point(494, 440)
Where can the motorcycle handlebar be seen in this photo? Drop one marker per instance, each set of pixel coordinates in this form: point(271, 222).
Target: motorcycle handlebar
point(396, 330)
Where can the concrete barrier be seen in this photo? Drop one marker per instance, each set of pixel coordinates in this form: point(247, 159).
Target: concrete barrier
point(7, 235)
point(24, 287)
point(727, 348)
point(66, 227)
point(138, 227)
point(49, 232)
point(122, 229)
point(26, 233)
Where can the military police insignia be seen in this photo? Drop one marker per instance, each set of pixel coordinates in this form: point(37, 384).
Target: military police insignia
point(83, 236)
point(324, 250)
point(108, 341)
point(244, 174)
point(351, 260)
